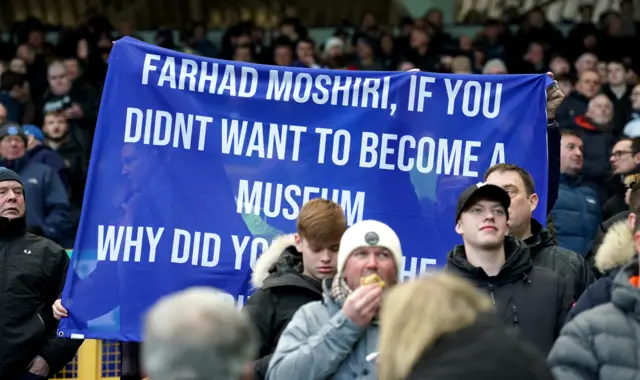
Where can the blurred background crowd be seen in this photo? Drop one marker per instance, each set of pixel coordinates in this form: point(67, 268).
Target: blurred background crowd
point(51, 75)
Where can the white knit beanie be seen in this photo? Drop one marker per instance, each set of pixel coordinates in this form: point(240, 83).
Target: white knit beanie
point(369, 233)
point(333, 42)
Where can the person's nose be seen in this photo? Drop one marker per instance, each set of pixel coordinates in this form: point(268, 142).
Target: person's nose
point(372, 262)
point(11, 196)
point(489, 216)
point(325, 256)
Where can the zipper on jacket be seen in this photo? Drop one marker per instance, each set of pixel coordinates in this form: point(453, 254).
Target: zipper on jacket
point(493, 296)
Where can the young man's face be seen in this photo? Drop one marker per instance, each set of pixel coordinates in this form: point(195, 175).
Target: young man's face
point(55, 126)
point(319, 261)
point(483, 225)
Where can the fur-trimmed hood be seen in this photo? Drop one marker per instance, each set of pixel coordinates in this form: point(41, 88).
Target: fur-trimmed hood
point(281, 251)
point(617, 247)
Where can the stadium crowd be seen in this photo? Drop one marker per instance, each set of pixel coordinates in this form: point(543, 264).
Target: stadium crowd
point(562, 288)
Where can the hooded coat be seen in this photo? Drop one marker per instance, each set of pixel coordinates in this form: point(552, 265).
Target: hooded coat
point(518, 291)
point(616, 250)
point(281, 289)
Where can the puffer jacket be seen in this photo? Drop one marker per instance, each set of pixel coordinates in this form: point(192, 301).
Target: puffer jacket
point(616, 250)
point(321, 343)
point(604, 342)
point(576, 215)
point(281, 289)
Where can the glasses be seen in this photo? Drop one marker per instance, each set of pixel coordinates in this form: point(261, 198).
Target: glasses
point(617, 155)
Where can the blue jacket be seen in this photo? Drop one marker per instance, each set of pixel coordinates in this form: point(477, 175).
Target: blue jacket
point(46, 200)
point(43, 154)
point(15, 109)
point(576, 214)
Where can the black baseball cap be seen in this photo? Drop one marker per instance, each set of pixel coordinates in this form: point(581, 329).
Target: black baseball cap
point(482, 191)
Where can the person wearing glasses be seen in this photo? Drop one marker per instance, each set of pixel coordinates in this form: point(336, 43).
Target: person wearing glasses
point(625, 160)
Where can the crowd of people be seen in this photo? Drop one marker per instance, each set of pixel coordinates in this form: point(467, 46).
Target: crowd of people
point(315, 313)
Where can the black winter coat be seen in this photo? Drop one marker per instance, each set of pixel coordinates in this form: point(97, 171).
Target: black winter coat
point(569, 265)
point(597, 240)
point(281, 291)
point(531, 299)
point(615, 249)
point(32, 275)
point(483, 351)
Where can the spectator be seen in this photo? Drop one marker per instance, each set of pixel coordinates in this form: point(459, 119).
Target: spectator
point(559, 66)
point(577, 102)
point(616, 250)
point(632, 129)
point(495, 66)
point(427, 337)
point(619, 93)
point(331, 338)
point(58, 138)
point(333, 48)
point(545, 253)
point(197, 334)
point(461, 65)
point(290, 273)
point(365, 55)
point(586, 62)
point(420, 52)
point(596, 131)
point(565, 84)
point(282, 52)
point(305, 53)
point(47, 200)
point(243, 53)
point(18, 66)
point(14, 92)
point(30, 284)
point(613, 325)
point(79, 105)
point(38, 152)
point(501, 265)
point(625, 160)
point(577, 212)
point(389, 56)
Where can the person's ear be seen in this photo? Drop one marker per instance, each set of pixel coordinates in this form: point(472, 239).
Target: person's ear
point(534, 200)
point(298, 241)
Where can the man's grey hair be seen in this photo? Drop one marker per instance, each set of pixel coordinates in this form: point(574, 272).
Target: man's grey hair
point(56, 65)
point(197, 334)
point(494, 64)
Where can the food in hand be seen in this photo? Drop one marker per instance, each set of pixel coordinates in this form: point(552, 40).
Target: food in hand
point(372, 279)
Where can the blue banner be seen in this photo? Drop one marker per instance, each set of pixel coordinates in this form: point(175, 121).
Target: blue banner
point(198, 164)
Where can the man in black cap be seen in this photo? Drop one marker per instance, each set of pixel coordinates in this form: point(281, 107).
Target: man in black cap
point(531, 299)
point(48, 213)
point(32, 275)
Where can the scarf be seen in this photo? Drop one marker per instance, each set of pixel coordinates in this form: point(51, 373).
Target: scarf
point(340, 290)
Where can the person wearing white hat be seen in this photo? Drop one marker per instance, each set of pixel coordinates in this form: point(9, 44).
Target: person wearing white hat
point(333, 338)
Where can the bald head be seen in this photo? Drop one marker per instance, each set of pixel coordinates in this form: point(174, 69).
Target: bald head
point(196, 334)
point(587, 61)
point(600, 109)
